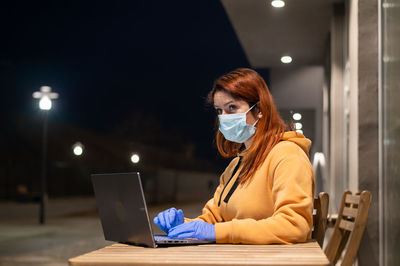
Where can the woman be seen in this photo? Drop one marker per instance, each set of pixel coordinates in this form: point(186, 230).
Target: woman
point(266, 192)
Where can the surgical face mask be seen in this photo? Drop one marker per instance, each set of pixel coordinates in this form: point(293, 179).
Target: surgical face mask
point(235, 128)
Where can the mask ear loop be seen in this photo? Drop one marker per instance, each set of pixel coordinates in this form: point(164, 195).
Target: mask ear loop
point(252, 108)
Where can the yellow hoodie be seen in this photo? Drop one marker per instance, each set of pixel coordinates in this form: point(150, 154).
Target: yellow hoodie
point(275, 206)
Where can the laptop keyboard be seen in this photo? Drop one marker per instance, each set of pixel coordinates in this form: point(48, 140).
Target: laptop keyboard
point(166, 239)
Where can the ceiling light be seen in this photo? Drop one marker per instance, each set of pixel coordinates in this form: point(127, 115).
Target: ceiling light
point(297, 116)
point(299, 125)
point(300, 131)
point(278, 3)
point(286, 59)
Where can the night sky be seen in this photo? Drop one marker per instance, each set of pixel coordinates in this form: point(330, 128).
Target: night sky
point(111, 60)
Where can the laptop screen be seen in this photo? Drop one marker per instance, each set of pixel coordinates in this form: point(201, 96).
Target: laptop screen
point(122, 208)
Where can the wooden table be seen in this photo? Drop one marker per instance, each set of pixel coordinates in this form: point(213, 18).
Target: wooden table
point(216, 254)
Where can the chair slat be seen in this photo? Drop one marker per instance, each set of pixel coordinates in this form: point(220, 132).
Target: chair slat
point(351, 212)
point(346, 225)
point(352, 199)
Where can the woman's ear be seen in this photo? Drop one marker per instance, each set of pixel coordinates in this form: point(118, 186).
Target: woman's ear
point(259, 115)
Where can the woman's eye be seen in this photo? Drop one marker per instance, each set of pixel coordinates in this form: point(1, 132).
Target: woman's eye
point(232, 108)
point(219, 111)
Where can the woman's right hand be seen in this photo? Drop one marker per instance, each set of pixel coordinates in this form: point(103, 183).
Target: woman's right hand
point(169, 218)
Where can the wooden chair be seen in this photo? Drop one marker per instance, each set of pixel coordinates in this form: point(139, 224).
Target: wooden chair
point(349, 227)
point(320, 215)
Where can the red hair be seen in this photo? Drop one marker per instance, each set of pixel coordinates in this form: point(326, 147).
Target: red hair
point(246, 84)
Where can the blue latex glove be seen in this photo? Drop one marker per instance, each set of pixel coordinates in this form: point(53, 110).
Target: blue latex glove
point(168, 219)
point(195, 229)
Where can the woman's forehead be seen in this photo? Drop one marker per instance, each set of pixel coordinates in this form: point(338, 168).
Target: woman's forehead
point(222, 97)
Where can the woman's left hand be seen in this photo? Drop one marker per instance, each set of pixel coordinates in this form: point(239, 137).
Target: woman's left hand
point(169, 218)
point(195, 229)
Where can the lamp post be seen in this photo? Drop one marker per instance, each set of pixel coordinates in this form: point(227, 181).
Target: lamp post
point(45, 95)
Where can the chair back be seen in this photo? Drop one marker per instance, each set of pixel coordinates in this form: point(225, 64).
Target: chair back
point(349, 227)
point(320, 214)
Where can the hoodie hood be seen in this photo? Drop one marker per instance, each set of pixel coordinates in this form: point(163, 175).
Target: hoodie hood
point(297, 138)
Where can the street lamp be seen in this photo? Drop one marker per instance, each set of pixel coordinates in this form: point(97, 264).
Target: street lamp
point(135, 158)
point(77, 149)
point(45, 95)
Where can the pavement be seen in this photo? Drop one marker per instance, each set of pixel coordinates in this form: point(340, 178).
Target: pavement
point(72, 228)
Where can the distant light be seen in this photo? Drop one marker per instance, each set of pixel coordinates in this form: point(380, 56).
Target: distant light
point(286, 59)
point(278, 3)
point(77, 148)
point(299, 125)
point(300, 131)
point(135, 158)
point(78, 151)
point(297, 116)
point(45, 103)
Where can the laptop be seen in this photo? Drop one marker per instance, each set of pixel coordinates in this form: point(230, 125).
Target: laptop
point(123, 212)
